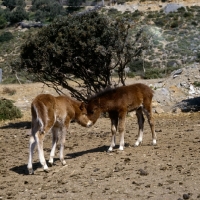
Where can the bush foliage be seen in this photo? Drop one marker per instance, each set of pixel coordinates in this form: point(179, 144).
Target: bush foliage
point(88, 46)
point(8, 110)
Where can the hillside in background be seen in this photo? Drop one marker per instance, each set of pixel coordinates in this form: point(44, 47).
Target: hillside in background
point(175, 37)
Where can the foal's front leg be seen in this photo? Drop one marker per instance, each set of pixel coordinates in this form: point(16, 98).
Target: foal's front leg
point(62, 145)
point(140, 118)
point(114, 123)
point(121, 126)
point(148, 113)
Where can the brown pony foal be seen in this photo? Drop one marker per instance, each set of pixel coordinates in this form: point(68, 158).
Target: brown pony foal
point(117, 102)
point(53, 114)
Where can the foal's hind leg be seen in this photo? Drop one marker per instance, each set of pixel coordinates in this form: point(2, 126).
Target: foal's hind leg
point(54, 143)
point(32, 143)
point(40, 138)
point(148, 112)
point(140, 118)
point(114, 123)
point(62, 140)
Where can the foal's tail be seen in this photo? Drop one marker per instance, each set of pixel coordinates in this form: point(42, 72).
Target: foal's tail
point(39, 115)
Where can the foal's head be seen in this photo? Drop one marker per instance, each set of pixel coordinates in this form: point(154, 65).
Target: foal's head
point(93, 110)
point(81, 116)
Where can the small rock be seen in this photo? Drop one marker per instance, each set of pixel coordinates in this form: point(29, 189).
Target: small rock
point(176, 110)
point(159, 110)
point(177, 72)
point(143, 172)
point(186, 196)
point(43, 196)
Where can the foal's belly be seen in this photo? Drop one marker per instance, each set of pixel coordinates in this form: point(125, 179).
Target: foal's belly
point(131, 108)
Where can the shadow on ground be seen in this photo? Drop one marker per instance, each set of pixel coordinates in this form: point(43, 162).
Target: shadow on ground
point(188, 105)
point(22, 169)
point(24, 125)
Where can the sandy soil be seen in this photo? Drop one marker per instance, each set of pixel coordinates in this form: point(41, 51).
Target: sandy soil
point(169, 170)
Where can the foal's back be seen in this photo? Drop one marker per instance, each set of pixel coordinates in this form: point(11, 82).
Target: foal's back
point(51, 108)
point(135, 91)
point(136, 95)
point(130, 97)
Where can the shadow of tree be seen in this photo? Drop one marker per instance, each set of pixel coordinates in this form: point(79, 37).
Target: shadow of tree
point(188, 105)
point(25, 125)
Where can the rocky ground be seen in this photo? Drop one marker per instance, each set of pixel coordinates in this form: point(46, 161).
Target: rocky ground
point(150, 5)
point(169, 170)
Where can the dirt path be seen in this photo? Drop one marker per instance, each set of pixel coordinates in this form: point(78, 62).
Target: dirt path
point(166, 171)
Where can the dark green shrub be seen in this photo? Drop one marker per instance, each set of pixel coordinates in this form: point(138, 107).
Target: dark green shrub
point(137, 13)
point(113, 11)
point(188, 14)
point(121, 2)
point(136, 65)
point(198, 57)
point(153, 73)
point(3, 22)
point(72, 9)
point(181, 10)
point(174, 24)
point(194, 23)
point(4, 16)
point(130, 74)
point(18, 15)
point(47, 10)
point(160, 22)
point(6, 36)
point(10, 4)
point(8, 110)
point(150, 15)
point(196, 84)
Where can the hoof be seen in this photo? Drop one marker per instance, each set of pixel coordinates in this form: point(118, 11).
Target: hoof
point(121, 148)
point(154, 143)
point(46, 170)
point(64, 163)
point(50, 164)
point(137, 144)
point(30, 171)
point(110, 149)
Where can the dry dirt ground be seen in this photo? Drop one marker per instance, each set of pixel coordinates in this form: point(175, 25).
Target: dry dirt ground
point(170, 170)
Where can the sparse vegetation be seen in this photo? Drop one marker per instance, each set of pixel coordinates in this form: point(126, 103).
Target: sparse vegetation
point(8, 110)
point(6, 36)
point(9, 91)
point(88, 46)
point(176, 30)
point(196, 84)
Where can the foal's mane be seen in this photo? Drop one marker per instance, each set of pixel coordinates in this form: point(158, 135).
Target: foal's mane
point(101, 93)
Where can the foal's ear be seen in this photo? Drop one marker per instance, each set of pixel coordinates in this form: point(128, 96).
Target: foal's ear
point(83, 106)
